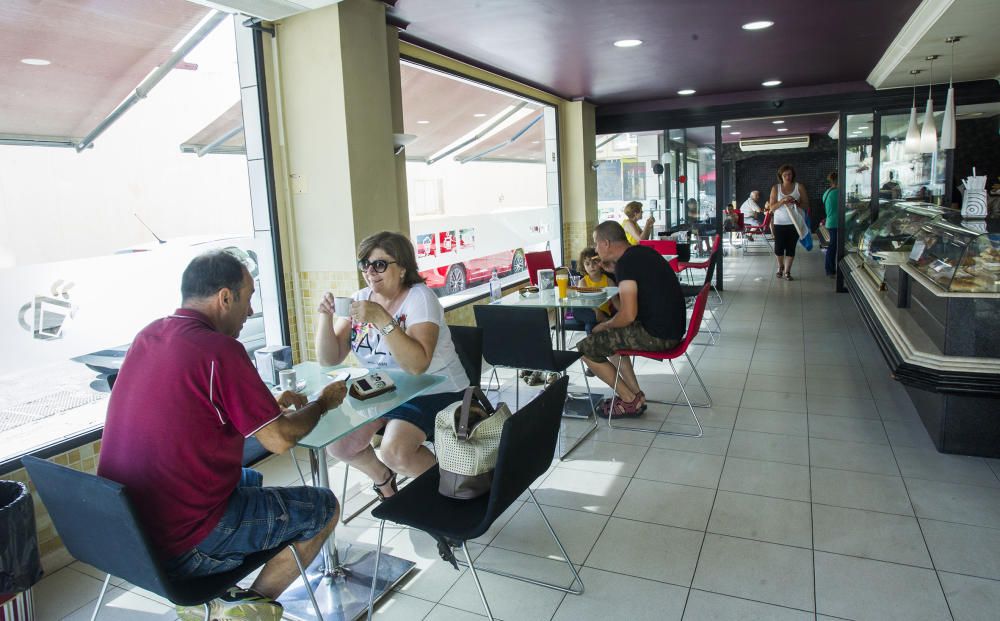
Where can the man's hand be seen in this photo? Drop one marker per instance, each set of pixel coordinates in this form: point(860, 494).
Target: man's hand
point(332, 395)
point(289, 399)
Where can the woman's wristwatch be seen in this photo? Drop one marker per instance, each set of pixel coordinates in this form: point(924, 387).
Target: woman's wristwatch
point(388, 328)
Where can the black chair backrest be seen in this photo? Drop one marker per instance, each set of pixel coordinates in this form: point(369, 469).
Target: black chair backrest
point(527, 447)
point(516, 337)
point(468, 342)
point(97, 523)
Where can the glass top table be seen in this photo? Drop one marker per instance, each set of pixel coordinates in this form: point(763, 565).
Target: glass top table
point(342, 586)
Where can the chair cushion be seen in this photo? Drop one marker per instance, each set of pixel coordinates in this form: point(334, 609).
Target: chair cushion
point(419, 505)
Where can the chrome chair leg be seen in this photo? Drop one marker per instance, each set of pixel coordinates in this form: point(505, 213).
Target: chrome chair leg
point(104, 589)
point(593, 412)
point(687, 402)
point(305, 581)
point(378, 556)
point(475, 578)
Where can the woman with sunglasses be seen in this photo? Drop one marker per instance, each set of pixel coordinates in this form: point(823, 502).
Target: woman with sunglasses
point(396, 322)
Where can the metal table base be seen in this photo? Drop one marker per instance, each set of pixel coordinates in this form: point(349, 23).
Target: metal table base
point(341, 585)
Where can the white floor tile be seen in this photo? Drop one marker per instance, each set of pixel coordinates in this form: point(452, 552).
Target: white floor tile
point(766, 478)
point(703, 606)
point(855, 588)
point(681, 467)
point(769, 421)
point(585, 491)
point(63, 592)
point(962, 549)
point(971, 599)
point(849, 429)
point(764, 572)
point(526, 532)
point(613, 596)
point(684, 506)
point(878, 536)
point(773, 520)
point(770, 447)
point(951, 502)
point(639, 549)
point(927, 464)
point(856, 456)
point(605, 457)
point(122, 605)
point(860, 490)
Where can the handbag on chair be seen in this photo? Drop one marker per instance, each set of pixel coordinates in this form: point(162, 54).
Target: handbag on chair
point(466, 438)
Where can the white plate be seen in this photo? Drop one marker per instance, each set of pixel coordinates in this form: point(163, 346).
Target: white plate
point(351, 373)
point(595, 294)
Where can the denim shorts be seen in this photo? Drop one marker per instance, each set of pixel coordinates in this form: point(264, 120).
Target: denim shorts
point(421, 411)
point(257, 518)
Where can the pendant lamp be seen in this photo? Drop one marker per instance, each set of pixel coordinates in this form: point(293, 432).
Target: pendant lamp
point(913, 131)
point(928, 135)
point(948, 122)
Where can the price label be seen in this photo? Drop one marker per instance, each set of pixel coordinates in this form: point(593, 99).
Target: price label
point(918, 249)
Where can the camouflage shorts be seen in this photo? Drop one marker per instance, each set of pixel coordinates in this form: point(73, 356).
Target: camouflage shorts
point(598, 346)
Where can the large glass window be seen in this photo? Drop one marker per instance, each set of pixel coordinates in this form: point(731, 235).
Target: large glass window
point(907, 173)
point(858, 179)
point(93, 243)
point(482, 180)
point(625, 173)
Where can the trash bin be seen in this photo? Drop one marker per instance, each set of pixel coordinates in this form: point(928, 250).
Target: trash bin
point(20, 566)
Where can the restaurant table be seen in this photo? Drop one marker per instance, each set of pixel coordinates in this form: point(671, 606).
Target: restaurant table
point(342, 584)
point(577, 405)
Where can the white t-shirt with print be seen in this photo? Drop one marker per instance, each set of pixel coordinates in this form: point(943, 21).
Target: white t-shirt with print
point(420, 306)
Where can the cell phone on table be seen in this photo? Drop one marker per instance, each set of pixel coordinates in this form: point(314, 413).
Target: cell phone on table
point(371, 385)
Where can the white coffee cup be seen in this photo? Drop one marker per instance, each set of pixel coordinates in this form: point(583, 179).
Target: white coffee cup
point(286, 379)
point(342, 306)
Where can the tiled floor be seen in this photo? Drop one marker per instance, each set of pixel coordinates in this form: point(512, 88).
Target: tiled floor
point(815, 494)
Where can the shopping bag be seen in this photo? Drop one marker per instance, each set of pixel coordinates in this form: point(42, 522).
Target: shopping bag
point(807, 239)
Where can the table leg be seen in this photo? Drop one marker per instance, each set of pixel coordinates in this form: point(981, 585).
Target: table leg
point(341, 586)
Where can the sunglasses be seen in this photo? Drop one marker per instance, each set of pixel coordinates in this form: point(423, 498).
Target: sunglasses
point(379, 265)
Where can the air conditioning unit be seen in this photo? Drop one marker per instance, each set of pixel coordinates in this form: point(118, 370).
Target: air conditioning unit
point(267, 10)
point(778, 142)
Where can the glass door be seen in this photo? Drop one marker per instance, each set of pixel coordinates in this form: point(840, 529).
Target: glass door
point(694, 205)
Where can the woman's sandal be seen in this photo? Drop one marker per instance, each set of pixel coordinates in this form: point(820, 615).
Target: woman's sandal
point(781, 273)
point(789, 276)
point(390, 481)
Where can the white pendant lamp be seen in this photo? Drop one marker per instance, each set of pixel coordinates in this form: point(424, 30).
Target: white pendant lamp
point(912, 144)
point(928, 135)
point(948, 122)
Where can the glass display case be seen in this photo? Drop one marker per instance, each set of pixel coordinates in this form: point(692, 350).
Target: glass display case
point(889, 240)
point(956, 258)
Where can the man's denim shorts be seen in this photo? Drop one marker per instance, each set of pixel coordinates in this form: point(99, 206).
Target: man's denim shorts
point(256, 518)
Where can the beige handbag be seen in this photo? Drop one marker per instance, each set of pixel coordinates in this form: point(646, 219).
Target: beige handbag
point(466, 439)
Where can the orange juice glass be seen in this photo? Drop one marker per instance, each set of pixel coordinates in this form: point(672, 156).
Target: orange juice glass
point(562, 281)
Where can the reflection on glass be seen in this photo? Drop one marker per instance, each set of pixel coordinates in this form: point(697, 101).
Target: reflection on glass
point(625, 173)
point(902, 174)
point(482, 181)
point(858, 180)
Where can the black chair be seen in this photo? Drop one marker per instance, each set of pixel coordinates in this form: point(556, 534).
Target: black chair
point(98, 525)
point(468, 342)
point(526, 448)
point(518, 338)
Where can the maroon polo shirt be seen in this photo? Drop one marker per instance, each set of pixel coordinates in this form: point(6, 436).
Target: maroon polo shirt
point(184, 400)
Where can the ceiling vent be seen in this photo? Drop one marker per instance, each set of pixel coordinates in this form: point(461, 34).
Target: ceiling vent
point(267, 10)
point(770, 144)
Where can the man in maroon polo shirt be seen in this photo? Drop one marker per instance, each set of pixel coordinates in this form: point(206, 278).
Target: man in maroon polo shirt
point(186, 398)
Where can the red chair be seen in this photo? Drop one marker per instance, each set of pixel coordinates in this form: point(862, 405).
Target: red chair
point(535, 261)
point(665, 247)
point(763, 229)
point(669, 355)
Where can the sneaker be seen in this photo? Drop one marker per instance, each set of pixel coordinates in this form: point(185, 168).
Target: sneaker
point(551, 378)
point(535, 379)
point(236, 604)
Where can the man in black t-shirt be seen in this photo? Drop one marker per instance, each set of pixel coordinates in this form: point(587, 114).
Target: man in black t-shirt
point(651, 316)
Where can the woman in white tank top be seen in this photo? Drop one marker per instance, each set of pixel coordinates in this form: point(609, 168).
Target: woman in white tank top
point(786, 195)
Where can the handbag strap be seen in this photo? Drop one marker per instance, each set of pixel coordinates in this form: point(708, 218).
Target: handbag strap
point(463, 430)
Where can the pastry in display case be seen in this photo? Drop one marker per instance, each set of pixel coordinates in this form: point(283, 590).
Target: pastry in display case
point(957, 259)
point(889, 240)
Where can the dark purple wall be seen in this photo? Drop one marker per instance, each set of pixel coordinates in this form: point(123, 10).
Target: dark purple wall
point(977, 143)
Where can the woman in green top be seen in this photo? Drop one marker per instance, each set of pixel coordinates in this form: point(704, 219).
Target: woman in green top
point(830, 201)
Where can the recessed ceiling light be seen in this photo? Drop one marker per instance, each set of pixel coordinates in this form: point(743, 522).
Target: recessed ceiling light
point(534, 142)
point(628, 43)
point(771, 83)
point(37, 62)
point(734, 133)
point(479, 115)
point(758, 25)
point(726, 126)
point(686, 91)
point(422, 122)
point(778, 122)
point(782, 129)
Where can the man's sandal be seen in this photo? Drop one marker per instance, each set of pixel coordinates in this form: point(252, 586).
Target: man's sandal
point(390, 481)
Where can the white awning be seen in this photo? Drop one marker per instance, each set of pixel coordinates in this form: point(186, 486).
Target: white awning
point(223, 135)
point(99, 51)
